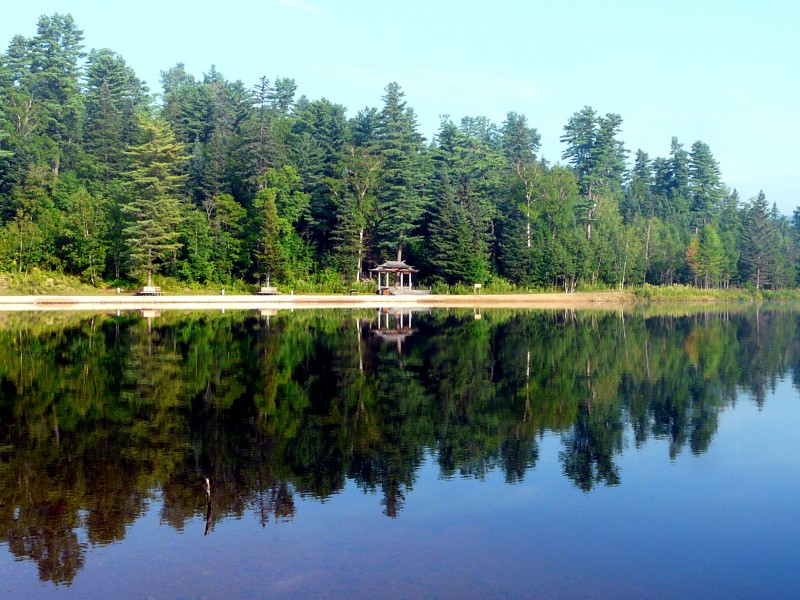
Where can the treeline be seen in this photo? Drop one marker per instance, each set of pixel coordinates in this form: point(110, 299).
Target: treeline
point(212, 181)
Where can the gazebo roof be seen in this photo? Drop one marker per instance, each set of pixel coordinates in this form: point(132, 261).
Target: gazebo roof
point(395, 266)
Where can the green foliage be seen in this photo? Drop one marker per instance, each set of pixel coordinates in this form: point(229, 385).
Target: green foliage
point(354, 200)
point(705, 184)
point(95, 181)
point(150, 202)
point(280, 205)
point(271, 408)
point(400, 192)
point(760, 239)
point(327, 281)
point(712, 257)
point(598, 158)
point(681, 293)
point(85, 229)
point(113, 97)
point(37, 282)
point(451, 242)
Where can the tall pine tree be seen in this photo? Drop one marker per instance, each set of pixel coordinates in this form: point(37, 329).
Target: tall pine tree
point(151, 204)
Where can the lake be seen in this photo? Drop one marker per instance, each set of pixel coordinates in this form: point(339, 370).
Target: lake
point(392, 454)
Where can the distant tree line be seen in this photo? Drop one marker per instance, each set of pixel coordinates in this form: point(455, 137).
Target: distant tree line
point(211, 181)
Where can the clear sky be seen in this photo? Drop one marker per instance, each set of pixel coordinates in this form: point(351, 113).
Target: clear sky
point(725, 72)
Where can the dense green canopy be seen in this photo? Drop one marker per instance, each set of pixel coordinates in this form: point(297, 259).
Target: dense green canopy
point(214, 181)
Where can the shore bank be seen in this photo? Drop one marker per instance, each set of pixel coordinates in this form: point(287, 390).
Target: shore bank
point(596, 300)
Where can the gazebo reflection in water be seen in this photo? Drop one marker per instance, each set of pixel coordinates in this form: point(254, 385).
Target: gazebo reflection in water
point(396, 324)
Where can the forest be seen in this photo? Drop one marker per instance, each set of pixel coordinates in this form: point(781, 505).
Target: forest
point(211, 181)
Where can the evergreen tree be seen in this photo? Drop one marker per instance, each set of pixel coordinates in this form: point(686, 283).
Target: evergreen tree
point(730, 230)
point(520, 144)
point(187, 106)
point(471, 171)
point(785, 274)
point(151, 204)
point(484, 131)
point(262, 143)
point(400, 200)
point(711, 257)
point(362, 127)
point(55, 52)
point(704, 184)
point(759, 242)
point(282, 94)
point(279, 205)
point(678, 191)
point(662, 206)
point(598, 158)
point(226, 168)
point(317, 142)
point(638, 199)
point(269, 252)
point(113, 96)
point(452, 256)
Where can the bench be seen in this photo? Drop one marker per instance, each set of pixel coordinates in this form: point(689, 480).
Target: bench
point(267, 291)
point(150, 290)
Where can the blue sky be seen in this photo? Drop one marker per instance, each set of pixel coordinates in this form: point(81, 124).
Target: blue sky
point(724, 72)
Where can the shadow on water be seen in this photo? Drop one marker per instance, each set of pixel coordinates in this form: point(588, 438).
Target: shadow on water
point(225, 414)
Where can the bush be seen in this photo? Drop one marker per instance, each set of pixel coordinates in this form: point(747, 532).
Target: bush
point(679, 293)
point(327, 281)
point(37, 282)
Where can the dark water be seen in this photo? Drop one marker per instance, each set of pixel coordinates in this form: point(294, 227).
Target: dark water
point(446, 454)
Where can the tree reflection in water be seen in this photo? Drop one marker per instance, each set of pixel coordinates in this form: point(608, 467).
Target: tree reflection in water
point(100, 414)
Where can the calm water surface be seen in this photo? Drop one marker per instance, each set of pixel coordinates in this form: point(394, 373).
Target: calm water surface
point(443, 454)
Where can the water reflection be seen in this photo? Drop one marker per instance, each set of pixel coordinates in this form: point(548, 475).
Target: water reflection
point(222, 415)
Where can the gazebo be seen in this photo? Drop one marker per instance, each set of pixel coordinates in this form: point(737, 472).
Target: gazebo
point(402, 276)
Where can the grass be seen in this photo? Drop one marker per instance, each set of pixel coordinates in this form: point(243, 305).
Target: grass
point(44, 283)
point(681, 293)
point(38, 282)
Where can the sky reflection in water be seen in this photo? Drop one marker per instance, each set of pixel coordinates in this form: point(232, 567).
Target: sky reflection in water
point(681, 482)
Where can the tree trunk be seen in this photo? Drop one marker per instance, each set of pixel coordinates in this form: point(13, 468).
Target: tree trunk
point(528, 218)
point(647, 250)
point(360, 254)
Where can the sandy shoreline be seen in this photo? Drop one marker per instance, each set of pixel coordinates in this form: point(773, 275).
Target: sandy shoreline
point(595, 300)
